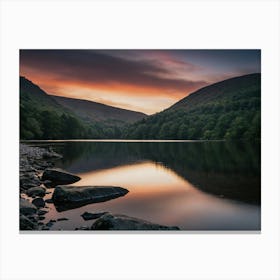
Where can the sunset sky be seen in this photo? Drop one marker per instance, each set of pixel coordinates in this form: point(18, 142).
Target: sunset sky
point(141, 80)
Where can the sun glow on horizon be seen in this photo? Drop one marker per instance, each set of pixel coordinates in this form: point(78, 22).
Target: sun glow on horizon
point(146, 81)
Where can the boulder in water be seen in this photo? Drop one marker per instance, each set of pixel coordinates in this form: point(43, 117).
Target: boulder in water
point(59, 177)
point(69, 197)
point(122, 222)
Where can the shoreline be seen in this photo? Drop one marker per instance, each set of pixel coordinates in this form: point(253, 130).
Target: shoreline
point(33, 162)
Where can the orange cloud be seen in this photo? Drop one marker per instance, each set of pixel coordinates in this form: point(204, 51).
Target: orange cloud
point(143, 80)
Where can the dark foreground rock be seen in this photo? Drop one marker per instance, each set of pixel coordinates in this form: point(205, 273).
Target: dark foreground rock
point(122, 222)
point(59, 177)
point(38, 202)
point(26, 208)
point(91, 216)
point(69, 197)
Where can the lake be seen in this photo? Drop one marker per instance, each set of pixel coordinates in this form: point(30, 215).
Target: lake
point(195, 185)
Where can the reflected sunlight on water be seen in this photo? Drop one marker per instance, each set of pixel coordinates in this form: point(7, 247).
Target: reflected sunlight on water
point(159, 195)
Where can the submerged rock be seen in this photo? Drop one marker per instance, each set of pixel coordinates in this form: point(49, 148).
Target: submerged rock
point(36, 191)
point(59, 177)
point(26, 208)
point(122, 222)
point(62, 219)
point(91, 216)
point(69, 197)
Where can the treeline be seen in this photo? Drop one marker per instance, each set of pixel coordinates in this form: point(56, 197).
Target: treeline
point(200, 123)
point(50, 124)
point(218, 120)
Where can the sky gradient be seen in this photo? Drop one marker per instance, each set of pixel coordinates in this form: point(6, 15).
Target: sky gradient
point(141, 80)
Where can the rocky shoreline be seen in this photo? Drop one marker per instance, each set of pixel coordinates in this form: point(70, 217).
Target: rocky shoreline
point(38, 178)
point(33, 162)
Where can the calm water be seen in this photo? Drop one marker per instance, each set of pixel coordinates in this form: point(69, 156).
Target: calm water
point(193, 185)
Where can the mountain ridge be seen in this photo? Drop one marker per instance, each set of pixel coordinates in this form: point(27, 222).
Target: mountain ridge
point(228, 109)
point(213, 86)
point(92, 109)
point(43, 117)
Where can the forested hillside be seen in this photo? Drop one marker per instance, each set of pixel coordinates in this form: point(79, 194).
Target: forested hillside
point(93, 111)
point(230, 109)
point(42, 117)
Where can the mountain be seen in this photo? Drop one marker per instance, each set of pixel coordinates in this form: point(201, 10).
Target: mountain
point(93, 111)
point(43, 116)
point(229, 109)
point(31, 94)
point(234, 89)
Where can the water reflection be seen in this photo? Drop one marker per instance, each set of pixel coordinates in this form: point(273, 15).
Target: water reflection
point(229, 169)
point(194, 185)
point(160, 195)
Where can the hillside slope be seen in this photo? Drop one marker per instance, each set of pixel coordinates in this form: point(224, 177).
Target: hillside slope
point(89, 110)
point(31, 93)
point(42, 117)
point(226, 110)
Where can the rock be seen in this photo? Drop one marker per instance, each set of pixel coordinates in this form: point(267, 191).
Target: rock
point(122, 222)
point(49, 224)
point(48, 184)
point(29, 182)
point(28, 186)
point(59, 177)
point(37, 152)
point(62, 219)
point(52, 221)
point(39, 202)
point(33, 218)
point(51, 154)
point(27, 224)
point(41, 218)
point(69, 197)
point(91, 216)
point(37, 191)
point(45, 228)
point(49, 200)
point(27, 208)
point(42, 212)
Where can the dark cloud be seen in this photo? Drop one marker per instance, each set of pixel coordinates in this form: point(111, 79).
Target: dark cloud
point(95, 67)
